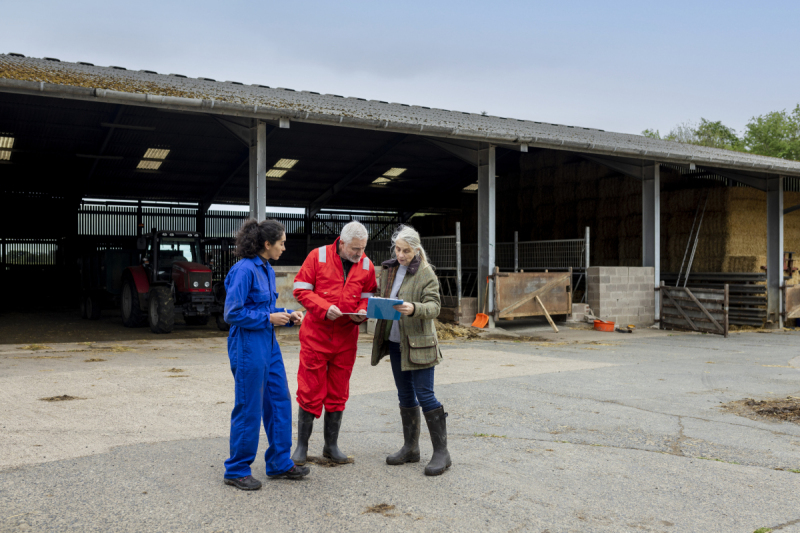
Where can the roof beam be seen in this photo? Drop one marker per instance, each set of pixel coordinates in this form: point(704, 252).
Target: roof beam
point(467, 155)
point(348, 178)
point(209, 199)
point(124, 127)
point(751, 181)
point(633, 171)
point(791, 209)
point(117, 116)
point(239, 128)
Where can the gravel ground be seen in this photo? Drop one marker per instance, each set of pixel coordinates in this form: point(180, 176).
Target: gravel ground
point(584, 432)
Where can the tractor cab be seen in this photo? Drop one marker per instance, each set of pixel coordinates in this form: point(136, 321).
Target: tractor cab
point(168, 253)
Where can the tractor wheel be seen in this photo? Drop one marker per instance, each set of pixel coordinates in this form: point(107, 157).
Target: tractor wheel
point(132, 314)
point(162, 310)
point(197, 320)
point(221, 324)
point(92, 306)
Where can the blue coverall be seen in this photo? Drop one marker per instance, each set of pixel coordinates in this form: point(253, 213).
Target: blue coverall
point(257, 365)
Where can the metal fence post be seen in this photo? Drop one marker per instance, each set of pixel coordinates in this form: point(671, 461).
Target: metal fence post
point(516, 251)
point(458, 270)
point(586, 267)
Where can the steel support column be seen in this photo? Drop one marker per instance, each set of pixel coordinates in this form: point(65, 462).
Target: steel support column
point(775, 253)
point(458, 271)
point(516, 251)
point(486, 226)
point(258, 170)
point(651, 226)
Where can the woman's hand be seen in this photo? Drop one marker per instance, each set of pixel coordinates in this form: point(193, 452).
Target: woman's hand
point(296, 318)
point(405, 308)
point(279, 319)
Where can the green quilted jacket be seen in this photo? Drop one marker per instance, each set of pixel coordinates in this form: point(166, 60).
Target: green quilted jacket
point(419, 344)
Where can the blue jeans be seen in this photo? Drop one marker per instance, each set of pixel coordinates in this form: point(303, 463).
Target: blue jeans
point(414, 387)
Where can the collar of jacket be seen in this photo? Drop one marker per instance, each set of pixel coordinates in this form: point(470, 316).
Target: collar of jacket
point(260, 262)
point(412, 268)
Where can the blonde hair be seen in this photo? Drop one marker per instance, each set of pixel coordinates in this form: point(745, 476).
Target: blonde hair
point(411, 237)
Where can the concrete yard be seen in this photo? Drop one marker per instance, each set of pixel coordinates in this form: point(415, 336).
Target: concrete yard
point(579, 431)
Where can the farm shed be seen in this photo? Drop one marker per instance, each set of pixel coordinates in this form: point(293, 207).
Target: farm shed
point(72, 131)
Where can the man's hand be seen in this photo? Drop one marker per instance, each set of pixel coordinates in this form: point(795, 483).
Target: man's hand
point(361, 317)
point(405, 308)
point(296, 318)
point(279, 319)
point(333, 313)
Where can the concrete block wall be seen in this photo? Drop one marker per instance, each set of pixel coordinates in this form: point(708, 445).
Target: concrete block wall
point(624, 295)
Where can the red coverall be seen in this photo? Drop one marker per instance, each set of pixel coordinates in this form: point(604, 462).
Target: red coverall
point(328, 347)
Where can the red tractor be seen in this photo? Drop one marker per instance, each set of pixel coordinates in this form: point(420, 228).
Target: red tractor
point(171, 277)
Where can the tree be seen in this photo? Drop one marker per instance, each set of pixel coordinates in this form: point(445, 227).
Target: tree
point(717, 135)
point(775, 134)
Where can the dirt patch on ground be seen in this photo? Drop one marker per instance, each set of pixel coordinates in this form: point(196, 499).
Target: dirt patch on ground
point(93, 360)
point(382, 508)
point(785, 410)
point(62, 398)
point(324, 461)
point(448, 332)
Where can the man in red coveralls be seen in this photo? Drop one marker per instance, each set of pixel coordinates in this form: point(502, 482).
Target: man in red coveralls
point(334, 280)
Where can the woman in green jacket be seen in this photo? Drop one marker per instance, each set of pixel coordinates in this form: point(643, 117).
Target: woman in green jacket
point(413, 347)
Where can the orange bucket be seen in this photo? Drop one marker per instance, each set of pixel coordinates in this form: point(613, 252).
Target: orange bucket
point(603, 325)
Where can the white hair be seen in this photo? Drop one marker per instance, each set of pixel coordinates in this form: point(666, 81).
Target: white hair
point(353, 230)
point(411, 237)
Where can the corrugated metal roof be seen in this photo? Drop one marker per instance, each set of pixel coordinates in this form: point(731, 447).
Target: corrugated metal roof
point(114, 84)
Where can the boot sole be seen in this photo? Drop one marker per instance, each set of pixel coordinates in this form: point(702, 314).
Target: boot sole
point(287, 476)
point(440, 472)
point(240, 487)
point(404, 461)
point(337, 461)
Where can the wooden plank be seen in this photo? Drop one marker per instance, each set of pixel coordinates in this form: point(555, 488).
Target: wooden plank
point(538, 292)
point(688, 320)
point(546, 314)
point(721, 329)
point(680, 326)
point(693, 314)
point(677, 316)
point(685, 305)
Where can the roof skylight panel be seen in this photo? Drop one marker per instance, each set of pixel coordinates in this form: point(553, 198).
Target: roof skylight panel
point(153, 158)
point(6, 144)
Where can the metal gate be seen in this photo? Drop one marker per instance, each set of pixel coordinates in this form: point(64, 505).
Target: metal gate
point(703, 310)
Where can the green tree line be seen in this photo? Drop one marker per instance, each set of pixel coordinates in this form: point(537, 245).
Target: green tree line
point(776, 134)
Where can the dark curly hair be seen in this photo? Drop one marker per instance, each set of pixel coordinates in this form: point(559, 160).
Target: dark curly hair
point(252, 234)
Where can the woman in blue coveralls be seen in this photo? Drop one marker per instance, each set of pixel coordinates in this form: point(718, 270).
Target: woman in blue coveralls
point(256, 361)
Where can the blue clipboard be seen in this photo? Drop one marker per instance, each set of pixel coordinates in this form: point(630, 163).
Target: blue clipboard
point(383, 308)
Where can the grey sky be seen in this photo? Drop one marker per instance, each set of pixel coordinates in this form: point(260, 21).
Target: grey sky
point(619, 66)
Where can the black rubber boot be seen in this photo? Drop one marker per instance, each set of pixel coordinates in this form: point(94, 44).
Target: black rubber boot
point(437, 426)
point(409, 453)
point(244, 483)
point(305, 423)
point(333, 421)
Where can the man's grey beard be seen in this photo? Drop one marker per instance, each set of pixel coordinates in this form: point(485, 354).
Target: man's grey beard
point(352, 259)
